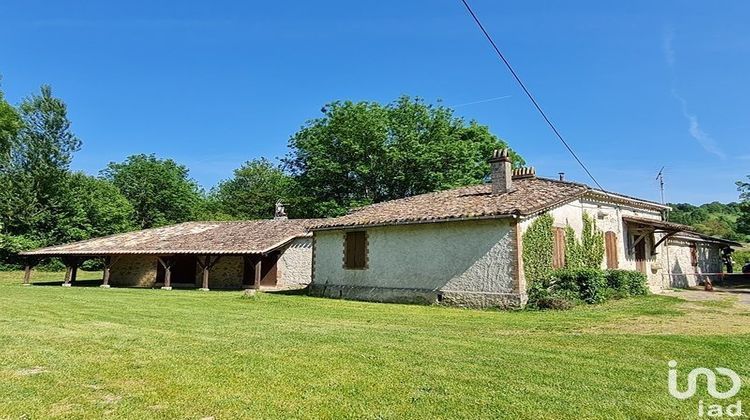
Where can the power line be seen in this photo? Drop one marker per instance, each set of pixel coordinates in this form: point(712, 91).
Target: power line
point(531, 97)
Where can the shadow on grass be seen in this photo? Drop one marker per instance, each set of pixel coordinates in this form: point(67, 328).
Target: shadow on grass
point(77, 283)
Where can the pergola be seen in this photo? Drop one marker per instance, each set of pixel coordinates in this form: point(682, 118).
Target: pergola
point(207, 242)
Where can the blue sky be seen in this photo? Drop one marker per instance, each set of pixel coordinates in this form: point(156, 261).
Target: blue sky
point(632, 85)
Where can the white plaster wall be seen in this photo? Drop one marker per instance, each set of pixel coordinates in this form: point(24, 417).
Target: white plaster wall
point(295, 263)
point(608, 217)
point(475, 256)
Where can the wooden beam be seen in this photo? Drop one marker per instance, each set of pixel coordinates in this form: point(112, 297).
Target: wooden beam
point(258, 267)
point(663, 239)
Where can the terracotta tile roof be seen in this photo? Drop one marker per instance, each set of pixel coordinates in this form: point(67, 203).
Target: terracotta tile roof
point(529, 195)
point(237, 237)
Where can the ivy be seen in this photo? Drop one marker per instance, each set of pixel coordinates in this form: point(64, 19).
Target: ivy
point(538, 245)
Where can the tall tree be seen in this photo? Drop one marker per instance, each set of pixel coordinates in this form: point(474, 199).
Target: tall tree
point(10, 124)
point(160, 191)
point(365, 152)
point(253, 191)
point(37, 196)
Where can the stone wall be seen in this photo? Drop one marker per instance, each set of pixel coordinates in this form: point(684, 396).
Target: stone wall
point(467, 263)
point(134, 271)
point(682, 272)
point(295, 263)
point(226, 274)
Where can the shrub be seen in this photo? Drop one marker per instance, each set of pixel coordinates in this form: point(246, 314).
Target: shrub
point(542, 297)
point(587, 283)
point(627, 283)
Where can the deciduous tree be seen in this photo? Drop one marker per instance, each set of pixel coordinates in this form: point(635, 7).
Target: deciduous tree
point(365, 152)
point(160, 190)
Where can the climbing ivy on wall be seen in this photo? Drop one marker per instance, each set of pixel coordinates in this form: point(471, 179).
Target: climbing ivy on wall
point(537, 249)
point(588, 252)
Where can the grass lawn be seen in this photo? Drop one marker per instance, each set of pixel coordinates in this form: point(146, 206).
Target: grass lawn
point(91, 352)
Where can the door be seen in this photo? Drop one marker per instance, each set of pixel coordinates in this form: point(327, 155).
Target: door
point(640, 256)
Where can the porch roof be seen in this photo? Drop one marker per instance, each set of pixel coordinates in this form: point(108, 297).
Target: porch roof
point(200, 238)
point(677, 230)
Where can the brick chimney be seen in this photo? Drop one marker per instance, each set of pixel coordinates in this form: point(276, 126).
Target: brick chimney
point(501, 172)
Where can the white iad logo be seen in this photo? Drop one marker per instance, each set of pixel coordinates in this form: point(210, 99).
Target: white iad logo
point(714, 410)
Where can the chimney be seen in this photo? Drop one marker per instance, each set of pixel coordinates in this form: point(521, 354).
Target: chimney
point(562, 176)
point(280, 212)
point(501, 172)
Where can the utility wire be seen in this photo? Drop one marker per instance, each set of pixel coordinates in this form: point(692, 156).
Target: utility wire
point(531, 97)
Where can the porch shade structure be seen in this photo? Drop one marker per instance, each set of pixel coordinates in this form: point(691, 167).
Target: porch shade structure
point(207, 242)
point(642, 227)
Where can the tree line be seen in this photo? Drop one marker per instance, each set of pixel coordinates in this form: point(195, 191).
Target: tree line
point(356, 153)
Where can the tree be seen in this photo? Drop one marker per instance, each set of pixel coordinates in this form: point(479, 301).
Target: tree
point(10, 124)
point(37, 197)
point(365, 152)
point(160, 191)
point(101, 207)
point(253, 191)
point(743, 220)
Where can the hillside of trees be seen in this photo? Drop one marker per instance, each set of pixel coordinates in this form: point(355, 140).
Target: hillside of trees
point(354, 154)
point(727, 221)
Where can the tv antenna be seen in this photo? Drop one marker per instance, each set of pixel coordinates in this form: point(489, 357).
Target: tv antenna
point(660, 178)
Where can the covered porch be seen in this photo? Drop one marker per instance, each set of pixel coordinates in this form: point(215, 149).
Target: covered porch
point(202, 255)
point(186, 271)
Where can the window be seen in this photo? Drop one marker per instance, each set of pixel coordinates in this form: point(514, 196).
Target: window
point(610, 246)
point(355, 250)
point(558, 256)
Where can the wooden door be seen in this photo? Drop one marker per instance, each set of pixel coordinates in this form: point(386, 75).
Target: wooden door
point(640, 256)
point(558, 249)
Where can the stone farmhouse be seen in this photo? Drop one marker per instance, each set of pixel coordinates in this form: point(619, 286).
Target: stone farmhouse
point(465, 246)
point(462, 246)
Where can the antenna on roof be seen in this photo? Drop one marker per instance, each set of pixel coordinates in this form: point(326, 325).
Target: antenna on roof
point(660, 178)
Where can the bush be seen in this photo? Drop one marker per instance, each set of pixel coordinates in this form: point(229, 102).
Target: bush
point(587, 283)
point(627, 283)
point(569, 287)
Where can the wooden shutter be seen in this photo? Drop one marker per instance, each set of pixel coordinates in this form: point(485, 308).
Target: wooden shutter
point(610, 244)
point(355, 250)
point(558, 256)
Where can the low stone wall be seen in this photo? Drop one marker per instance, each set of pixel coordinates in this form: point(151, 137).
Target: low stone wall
point(420, 296)
point(134, 271)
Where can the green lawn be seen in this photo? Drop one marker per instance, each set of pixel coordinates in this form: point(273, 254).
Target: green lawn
point(91, 352)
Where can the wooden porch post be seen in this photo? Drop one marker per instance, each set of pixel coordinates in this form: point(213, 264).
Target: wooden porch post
point(206, 266)
point(258, 267)
point(68, 275)
point(71, 270)
point(27, 275)
point(108, 263)
point(167, 264)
